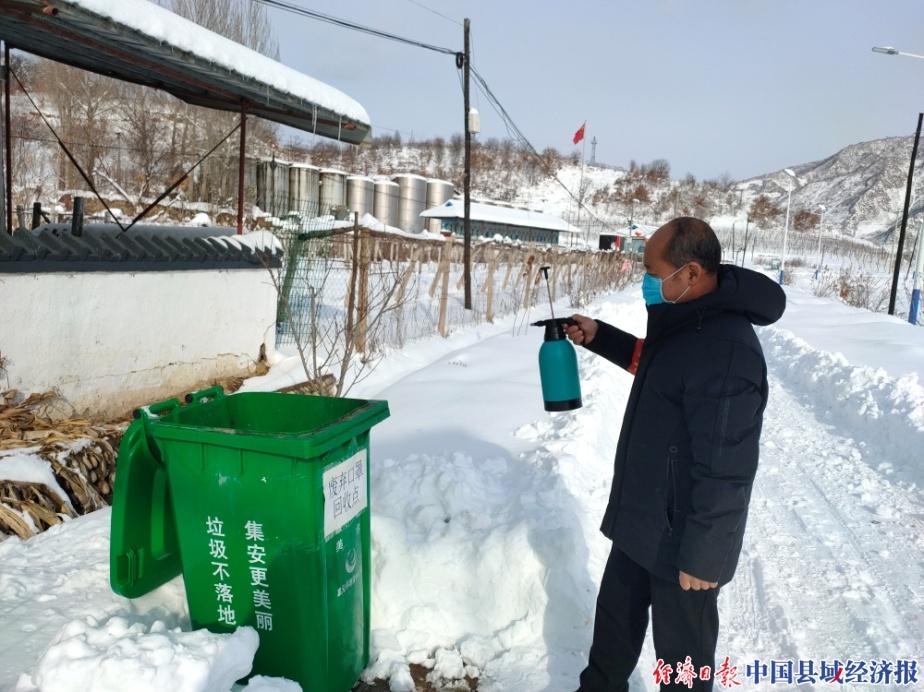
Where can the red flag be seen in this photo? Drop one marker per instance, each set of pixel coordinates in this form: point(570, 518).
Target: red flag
point(579, 135)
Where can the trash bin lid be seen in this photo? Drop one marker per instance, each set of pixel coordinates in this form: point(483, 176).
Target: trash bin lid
point(143, 551)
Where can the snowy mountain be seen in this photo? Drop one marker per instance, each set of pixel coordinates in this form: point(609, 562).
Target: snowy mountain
point(862, 186)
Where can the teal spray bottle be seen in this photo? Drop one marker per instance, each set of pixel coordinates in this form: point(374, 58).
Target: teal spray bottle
point(558, 366)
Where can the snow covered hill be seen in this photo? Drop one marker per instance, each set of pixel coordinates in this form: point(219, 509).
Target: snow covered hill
point(862, 186)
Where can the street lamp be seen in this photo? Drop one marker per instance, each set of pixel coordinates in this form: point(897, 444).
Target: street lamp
point(890, 50)
point(792, 176)
point(821, 225)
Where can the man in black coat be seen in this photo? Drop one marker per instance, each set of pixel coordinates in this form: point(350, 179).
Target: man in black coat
point(686, 457)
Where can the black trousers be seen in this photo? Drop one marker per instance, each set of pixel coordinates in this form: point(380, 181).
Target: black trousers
point(685, 623)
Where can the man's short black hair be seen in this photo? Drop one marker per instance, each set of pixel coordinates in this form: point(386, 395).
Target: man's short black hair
point(693, 240)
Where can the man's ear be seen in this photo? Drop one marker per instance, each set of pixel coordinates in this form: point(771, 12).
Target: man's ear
point(695, 271)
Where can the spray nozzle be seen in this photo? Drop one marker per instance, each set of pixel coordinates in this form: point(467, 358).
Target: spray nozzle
point(555, 327)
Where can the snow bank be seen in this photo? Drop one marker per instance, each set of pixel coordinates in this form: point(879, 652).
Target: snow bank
point(886, 412)
point(486, 547)
point(115, 655)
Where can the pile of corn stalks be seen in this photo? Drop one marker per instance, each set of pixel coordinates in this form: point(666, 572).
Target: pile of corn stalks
point(82, 458)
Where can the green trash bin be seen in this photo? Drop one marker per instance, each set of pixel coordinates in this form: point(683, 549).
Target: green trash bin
point(262, 501)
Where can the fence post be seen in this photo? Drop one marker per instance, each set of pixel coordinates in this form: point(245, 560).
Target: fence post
point(351, 289)
point(509, 257)
point(408, 272)
point(528, 283)
point(489, 310)
point(439, 266)
point(362, 305)
point(444, 292)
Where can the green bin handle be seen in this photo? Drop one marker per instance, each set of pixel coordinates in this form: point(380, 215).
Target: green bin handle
point(161, 407)
point(210, 393)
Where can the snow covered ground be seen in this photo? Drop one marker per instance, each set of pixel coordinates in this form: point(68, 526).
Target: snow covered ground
point(487, 555)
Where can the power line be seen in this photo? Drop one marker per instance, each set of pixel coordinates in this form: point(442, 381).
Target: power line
point(514, 131)
point(438, 14)
point(346, 24)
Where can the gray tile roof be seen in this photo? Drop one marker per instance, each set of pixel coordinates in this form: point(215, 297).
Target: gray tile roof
point(104, 247)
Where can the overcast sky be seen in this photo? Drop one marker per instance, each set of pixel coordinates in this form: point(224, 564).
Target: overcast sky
point(714, 86)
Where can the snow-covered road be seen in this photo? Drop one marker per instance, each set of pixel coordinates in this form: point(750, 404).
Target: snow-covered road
point(485, 514)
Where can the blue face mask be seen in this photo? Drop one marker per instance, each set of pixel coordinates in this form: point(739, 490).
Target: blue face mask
point(652, 289)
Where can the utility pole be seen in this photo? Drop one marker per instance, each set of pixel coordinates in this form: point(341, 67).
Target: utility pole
point(901, 234)
point(467, 178)
point(593, 150)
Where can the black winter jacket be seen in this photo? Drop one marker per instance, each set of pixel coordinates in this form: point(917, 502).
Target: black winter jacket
point(687, 452)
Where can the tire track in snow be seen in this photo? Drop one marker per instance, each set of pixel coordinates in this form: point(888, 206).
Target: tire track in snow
point(838, 544)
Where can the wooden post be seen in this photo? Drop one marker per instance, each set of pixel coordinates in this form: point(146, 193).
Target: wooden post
point(439, 266)
point(444, 289)
point(362, 304)
point(467, 175)
point(405, 279)
point(528, 283)
point(553, 274)
point(489, 310)
point(351, 290)
point(36, 214)
point(509, 270)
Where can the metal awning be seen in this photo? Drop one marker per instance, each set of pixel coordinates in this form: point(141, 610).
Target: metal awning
point(143, 43)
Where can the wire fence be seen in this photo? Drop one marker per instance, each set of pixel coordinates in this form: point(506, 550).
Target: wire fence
point(347, 292)
point(856, 272)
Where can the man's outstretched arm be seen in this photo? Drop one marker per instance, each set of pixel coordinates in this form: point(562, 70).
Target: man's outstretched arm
point(614, 344)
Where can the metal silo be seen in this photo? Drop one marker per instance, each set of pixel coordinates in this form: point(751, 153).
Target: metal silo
point(438, 192)
point(279, 202)
point(333, 190)
point(264, 184)
point(304, 181)
point(360, 192)
point(385, 202)
point(412, 191)
point(250, 180)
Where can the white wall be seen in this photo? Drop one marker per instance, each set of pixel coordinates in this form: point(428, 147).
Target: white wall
point(109, 342)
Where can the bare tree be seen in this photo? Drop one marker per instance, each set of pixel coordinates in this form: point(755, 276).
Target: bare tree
point(338, 349)
point(805, 220)
point(763, 210)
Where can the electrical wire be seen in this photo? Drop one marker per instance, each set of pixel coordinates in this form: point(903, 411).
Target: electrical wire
point(438, 14)
point(346, 24)
point(514, 131)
